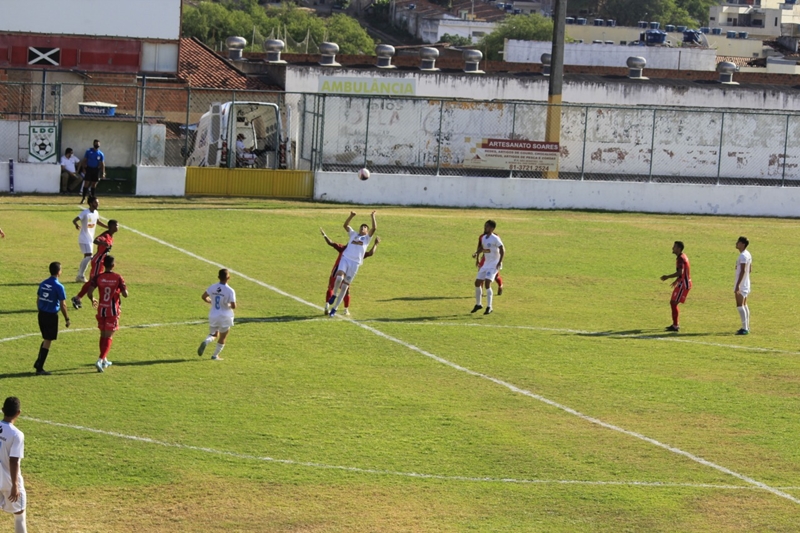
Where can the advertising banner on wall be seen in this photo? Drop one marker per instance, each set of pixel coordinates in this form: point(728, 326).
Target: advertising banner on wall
point(42, 143)
point(512, 154)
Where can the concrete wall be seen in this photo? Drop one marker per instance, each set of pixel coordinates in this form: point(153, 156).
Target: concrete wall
point(609, 55)
point(160, 181)
point(603, 91)
point(31, 177)
point(557, 194)
point(117, 139)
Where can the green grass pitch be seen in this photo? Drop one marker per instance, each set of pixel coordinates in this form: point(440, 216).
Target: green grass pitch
point(567, 409)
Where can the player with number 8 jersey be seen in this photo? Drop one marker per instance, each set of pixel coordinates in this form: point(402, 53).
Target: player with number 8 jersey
point(220, 317)
point(110, 285)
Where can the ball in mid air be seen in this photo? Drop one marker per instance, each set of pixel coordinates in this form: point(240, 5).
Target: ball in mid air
point(363, 174)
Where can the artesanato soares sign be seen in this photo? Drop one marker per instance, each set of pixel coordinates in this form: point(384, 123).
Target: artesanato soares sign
point(367, 86)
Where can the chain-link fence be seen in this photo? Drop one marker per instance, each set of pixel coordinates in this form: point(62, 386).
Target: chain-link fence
point(157, 124)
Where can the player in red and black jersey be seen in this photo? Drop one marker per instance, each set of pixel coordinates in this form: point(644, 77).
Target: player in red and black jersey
point(104, 243)
point(110, 286)
point(340, 248)
point(681, 286)
point(482, 260)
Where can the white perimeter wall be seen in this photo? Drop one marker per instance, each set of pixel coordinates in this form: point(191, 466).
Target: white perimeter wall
point(509, 193)
point(160, 181)
point(31, 177)
point(614, 55)
point(535, 88)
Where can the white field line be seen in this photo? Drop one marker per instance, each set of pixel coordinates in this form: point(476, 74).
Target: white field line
point(385, 472)
point(497, 381)
point(588, 334)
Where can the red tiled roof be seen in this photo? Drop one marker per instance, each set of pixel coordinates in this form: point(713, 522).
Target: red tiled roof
point(202, 67)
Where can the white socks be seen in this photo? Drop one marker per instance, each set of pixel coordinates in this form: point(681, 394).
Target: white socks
point(337, 284)
point(84, 264)
point(209, 339)
point(218, 349)
point(478, 295)
point(489, 296)
point(744, 314)
point(19, 523)
point(340, 297)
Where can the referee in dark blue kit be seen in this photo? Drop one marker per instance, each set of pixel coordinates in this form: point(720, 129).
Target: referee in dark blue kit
point(51, 298)
point(94, 163)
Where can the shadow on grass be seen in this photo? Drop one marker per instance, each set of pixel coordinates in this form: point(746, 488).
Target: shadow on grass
point(285, 318)
point(147, 363)
point(412, 319)
point(426, 298)
point(18, 311)
point(19, 284)
point(655, 333)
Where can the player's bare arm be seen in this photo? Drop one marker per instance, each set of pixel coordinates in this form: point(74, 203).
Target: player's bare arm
point(64, 311)
point(103, 169)
point(2, 235)
point(347, 227)
point(677, 274)
point(75, 223)
point(371, 251)
point(13, 463)
point(739, 278)
point(102, 225)
point(374, 224)
point(206, 298)
point(232, 305)
point(327, 239)
point(502, 250)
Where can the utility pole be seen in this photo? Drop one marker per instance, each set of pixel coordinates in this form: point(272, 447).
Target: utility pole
point(553, 124)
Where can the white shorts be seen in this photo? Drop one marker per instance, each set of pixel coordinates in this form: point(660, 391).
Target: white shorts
point(219, 323)
point(745, 291)
point(85, 248)
point(13, 507)
point(350, 269)
point(487, 273)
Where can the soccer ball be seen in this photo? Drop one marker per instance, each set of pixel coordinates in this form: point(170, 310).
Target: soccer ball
point(363, 174)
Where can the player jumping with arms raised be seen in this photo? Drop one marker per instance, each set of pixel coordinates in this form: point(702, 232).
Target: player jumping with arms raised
point(104, 242)
point(352, 257)
point(332, 280)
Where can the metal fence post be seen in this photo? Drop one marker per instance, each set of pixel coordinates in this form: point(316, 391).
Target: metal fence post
point(141, 124)
point(186, 133)
point(719, 155)
point(513, 129)
point(230, 135)
point(439, 144)
point(585, 132)
point(652, 147)
point(785, 148)
point(322, 133)
point(366, 131)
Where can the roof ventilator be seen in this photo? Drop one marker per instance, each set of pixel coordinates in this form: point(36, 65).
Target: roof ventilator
point(328, 52)
point(726, 70)
point(635, 67)
point(428, 57)
point(472, 59)
point(547, 60)
point(235, 47)
point(274, 47)
point(384, 53)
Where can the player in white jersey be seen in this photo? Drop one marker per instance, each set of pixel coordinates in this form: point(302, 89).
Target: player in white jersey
point(89, 219)
point(741, 288)
point(220, 318)
point(352, 257)
point(12, 450)
point(493, 252)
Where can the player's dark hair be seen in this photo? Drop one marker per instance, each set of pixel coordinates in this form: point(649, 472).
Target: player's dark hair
point(55, 268)
point(223, 274)
point(744, 241)
point(492, 224)
point(113, 221)
point(92, 199)
point(11, 406)
point(96, 141)
point(108, 262)
point(679, 244)
point(68, 150)
point(365, 226)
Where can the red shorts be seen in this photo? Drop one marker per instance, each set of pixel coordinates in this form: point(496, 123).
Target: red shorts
point(679, 294)
point(110, 323)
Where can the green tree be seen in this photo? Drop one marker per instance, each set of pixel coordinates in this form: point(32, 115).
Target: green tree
point(349, 35)
point(521, 27)
point(455, 40)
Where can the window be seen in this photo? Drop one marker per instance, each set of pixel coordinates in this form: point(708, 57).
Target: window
point(478, 33)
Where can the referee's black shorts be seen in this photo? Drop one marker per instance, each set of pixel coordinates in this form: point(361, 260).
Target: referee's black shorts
point(48, 325)
point(92, 174)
